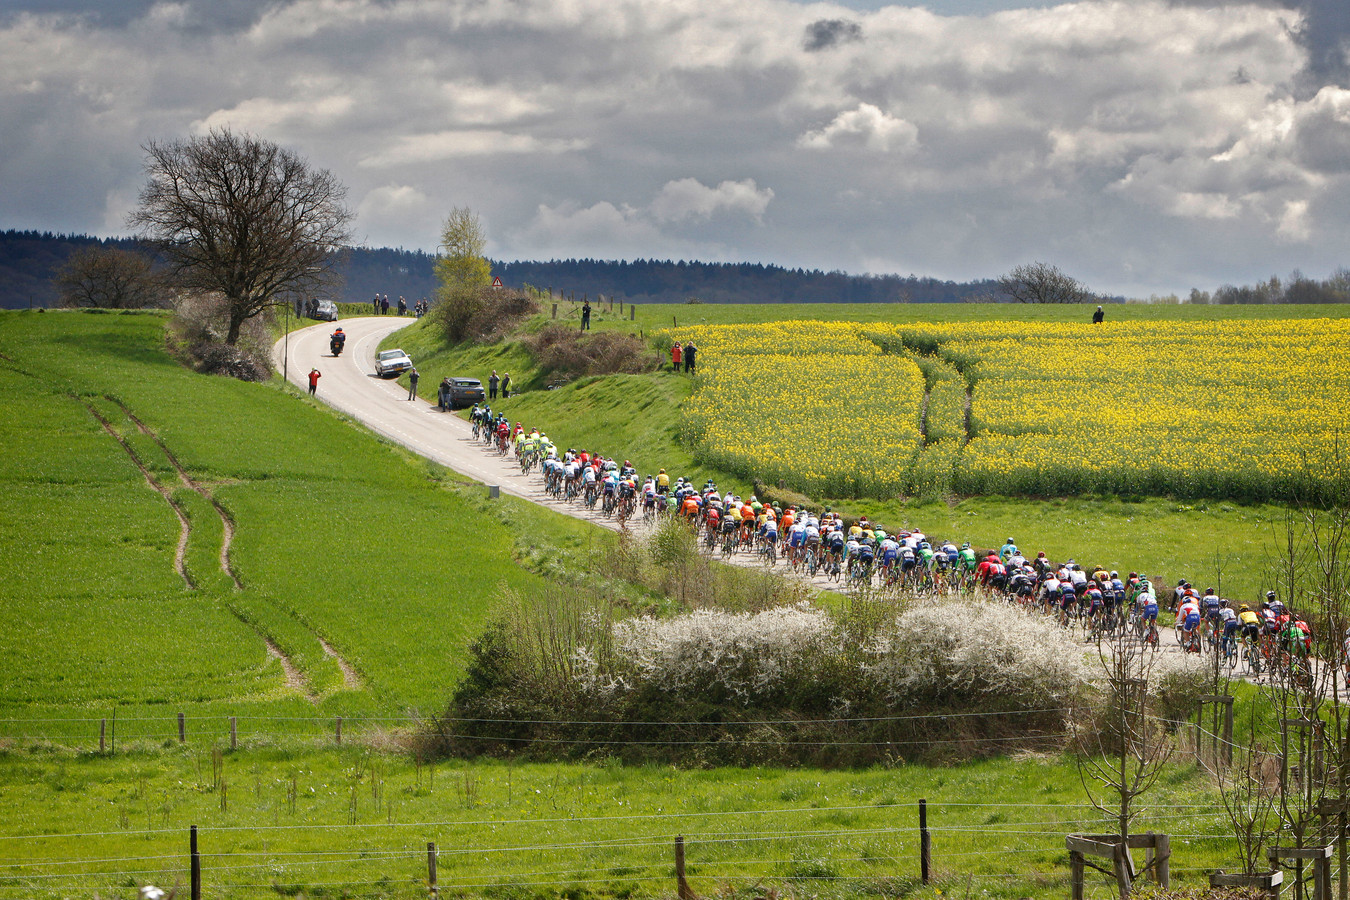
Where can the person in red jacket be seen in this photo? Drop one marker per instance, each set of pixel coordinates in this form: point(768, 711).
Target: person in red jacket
point(675, 353)
point(314, 376)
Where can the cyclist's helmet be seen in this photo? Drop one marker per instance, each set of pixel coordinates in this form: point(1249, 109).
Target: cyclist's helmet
point(1115, 574)
point(965, 545)
point(1209, 590)
point(1270, 595)
point(1010, 540)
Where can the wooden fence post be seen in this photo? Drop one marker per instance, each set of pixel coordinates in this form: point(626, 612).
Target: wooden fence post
point(681, 886)
point(102, 733)
point(196, 864)
point(234, 732)
point(337, 733)
point(182, 729)
point(555, 310)
point(925, 843)
point(1075, 875)
point(431, 867)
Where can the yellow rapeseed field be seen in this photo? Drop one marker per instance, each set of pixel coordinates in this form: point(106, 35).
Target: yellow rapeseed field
point(1250, 409)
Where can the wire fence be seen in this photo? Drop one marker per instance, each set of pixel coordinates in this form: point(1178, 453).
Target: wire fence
point(604, 855)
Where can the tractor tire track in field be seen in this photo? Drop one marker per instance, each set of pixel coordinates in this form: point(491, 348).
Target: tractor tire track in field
point(351, 679)
point(185, 527)
point(226, 521)
point(294, 676)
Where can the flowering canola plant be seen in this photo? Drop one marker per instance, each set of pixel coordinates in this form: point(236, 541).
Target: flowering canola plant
point(809, 403)
point(1248, 409)
point(1245, 409)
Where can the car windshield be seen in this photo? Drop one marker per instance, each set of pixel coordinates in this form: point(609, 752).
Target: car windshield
point(468, 384)
point(390, 354)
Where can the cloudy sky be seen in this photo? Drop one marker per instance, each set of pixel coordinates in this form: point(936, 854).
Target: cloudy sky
point(1142, 145)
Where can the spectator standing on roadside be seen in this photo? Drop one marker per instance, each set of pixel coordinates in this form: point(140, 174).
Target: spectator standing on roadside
point(493, 381)
point(675, 354)
point(506, 384)
point(412, 383)
point(690, 351)
point(1098, 316)
point(443, 395)
point(384, 305)
point(402, 306)
point(314, 376)
point(585, 315)
point(376, 304)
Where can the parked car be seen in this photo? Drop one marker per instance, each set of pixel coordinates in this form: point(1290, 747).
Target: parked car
point(392, 362)
point(325, 311)
point(464, 392)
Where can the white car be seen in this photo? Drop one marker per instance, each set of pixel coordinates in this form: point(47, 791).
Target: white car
point(392, 362)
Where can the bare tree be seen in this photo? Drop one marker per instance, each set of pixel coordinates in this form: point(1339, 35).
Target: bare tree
point(110, 278)
point(1040, 282)
point(1121, 750)
point(244, 218)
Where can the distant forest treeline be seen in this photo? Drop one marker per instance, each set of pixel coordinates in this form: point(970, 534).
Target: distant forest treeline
point(29, 259)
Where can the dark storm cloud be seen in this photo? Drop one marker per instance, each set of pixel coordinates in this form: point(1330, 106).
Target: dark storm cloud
point(1326, 36)
point(825, 33)
point(202, 15)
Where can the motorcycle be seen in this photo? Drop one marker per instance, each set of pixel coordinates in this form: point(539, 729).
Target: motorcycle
point(335, 345)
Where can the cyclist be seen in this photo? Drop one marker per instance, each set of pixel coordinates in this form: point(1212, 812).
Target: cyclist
point(966, 557)
point(1051, 589)
point(768, 533)
point(1211, 607)
point(1188, 624)
point(1022, 583)
point(1008, 549)
point(1094, 603)
point(834, 545)
point(1276, 606)
point(1147, 605)
point(813, 542)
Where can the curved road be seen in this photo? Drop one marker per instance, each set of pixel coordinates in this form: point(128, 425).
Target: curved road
point(349, 384)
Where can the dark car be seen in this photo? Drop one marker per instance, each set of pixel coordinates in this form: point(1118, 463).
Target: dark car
point(463, 392)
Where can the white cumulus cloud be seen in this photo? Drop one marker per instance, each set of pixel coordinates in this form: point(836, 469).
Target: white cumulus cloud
point(688, 198)
point(865, 126)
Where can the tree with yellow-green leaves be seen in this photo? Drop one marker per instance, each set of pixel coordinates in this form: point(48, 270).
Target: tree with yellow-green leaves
point(462, 271)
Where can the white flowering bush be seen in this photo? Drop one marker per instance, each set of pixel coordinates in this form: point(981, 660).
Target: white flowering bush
point(788, 684)
point(740, 656)
point(951, 650)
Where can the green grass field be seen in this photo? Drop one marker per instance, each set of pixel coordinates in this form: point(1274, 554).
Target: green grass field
point(355, 823)
point(341, 539)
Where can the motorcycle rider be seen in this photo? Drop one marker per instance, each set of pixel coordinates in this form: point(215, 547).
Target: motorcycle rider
point(337, 341)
